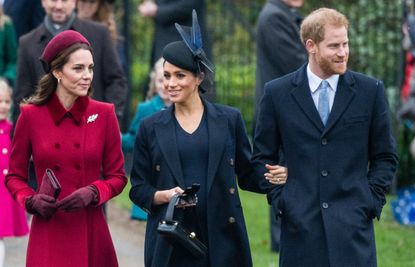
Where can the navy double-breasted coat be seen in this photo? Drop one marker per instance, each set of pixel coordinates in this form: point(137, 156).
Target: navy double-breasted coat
point(156, 166)
point(338, 173)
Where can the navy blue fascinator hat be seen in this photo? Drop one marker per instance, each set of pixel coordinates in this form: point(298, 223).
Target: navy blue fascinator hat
point(188, 54)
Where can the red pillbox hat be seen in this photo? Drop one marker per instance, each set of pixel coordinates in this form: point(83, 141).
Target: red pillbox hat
point(59, 43)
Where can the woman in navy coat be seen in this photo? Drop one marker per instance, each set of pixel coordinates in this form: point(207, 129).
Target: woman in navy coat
point(194, 141)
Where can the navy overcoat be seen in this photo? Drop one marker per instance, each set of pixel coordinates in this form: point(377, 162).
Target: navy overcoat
point(156, 166)
point(338, 173)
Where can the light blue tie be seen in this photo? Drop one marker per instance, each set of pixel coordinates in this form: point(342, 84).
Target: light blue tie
point(323, 101)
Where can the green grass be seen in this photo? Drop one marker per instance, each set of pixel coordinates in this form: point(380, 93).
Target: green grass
point(395, 243)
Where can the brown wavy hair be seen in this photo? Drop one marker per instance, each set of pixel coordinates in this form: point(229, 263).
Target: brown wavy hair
point(48, 83)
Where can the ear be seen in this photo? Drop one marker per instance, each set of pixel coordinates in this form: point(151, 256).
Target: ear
point(57, 74)
point(201, 77)
point(310, 46)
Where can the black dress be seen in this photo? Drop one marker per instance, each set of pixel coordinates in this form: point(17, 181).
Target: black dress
point(194, 153)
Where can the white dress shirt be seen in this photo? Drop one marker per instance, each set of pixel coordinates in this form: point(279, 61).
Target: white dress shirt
point(314, 82)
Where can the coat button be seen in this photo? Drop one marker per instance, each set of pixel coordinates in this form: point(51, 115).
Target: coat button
point(56, 167)
point(324, 173)
point(57, 145)
point(324, 141)
point(232, 162)
point(4, 151)
point(231, 219)
point(232, 190)
point(325, 205)
point(5, 171)
point(77, 145)
point(1, 131)
point(158, 168)
point(77, 167)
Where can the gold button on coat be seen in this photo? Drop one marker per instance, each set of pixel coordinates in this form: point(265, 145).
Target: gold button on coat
point(158, 168)
point(232, 190)
point(231, 219)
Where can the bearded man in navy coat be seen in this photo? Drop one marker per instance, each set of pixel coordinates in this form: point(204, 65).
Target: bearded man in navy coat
point(340, 167)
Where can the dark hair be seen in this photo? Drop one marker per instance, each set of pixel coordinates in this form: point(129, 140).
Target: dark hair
point(48, 83)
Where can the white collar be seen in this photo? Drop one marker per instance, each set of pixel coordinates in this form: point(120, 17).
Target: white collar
point(314, 81)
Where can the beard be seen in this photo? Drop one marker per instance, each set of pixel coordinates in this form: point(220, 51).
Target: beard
point(329, 67)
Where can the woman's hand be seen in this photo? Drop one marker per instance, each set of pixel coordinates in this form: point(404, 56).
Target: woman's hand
point(276, 174)
point(164, 196)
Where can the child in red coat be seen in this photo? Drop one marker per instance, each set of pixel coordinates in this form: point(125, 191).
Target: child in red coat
point(12, 217)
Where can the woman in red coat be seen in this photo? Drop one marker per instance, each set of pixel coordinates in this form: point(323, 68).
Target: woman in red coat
point(63, 129)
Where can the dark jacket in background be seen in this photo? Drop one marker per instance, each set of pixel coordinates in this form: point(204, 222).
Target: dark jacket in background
point(279, 47)
point(25, 14)
point(177, 11)
point(109, 83)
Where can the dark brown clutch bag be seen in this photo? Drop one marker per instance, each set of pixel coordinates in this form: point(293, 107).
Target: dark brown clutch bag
point(50, 184)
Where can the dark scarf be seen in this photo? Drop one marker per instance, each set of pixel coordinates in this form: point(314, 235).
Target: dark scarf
point(54, 28)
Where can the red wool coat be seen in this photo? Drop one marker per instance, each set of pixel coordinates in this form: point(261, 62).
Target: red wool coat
point(77, 145)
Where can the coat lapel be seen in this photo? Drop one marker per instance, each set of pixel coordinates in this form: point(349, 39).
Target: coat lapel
point(344, 94)
point(166, 137)
point(218, 134)
point(302, 96)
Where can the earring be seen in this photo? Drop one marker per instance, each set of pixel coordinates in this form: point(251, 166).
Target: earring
point(59, 80)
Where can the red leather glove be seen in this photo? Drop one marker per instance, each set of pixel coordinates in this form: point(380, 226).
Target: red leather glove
point(79, 199)
point(41, 205)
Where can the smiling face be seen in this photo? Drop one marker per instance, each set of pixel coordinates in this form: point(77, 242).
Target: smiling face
point(330, 56)
point(181, 85)
point(76, 75)
point(59, 11)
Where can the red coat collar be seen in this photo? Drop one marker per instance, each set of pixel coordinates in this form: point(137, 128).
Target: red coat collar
point(58, 112)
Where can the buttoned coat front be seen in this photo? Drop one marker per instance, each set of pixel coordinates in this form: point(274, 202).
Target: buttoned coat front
point(78, 148)
point(338, 173)
point(156, 166)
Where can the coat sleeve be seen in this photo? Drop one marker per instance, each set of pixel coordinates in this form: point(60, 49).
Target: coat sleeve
point(115, 83)
point(267, 143)
point(248, 179)
point(16, 179)
point(129, 137)
point(383, 159)
point(142, 190)
point(10, 55)
point(113, 162)
point(24, 83)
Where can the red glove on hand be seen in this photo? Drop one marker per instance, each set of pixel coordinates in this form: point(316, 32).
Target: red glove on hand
point(41, 205)
point(79, 199)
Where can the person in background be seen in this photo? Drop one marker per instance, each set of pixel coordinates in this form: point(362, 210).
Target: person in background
point(157, 99)
point(109, 84)
point(65, 130)
point(12, 217)
point(102, 11)
point(279, 52)
point(333, 128)
point(25, 14)
point(8, 49)
point(165, 13)
point(191, 142)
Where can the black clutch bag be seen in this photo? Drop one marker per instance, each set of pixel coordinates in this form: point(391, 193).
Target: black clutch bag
point(172, 229)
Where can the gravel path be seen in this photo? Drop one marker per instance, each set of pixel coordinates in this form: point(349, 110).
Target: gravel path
point(127, 235)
